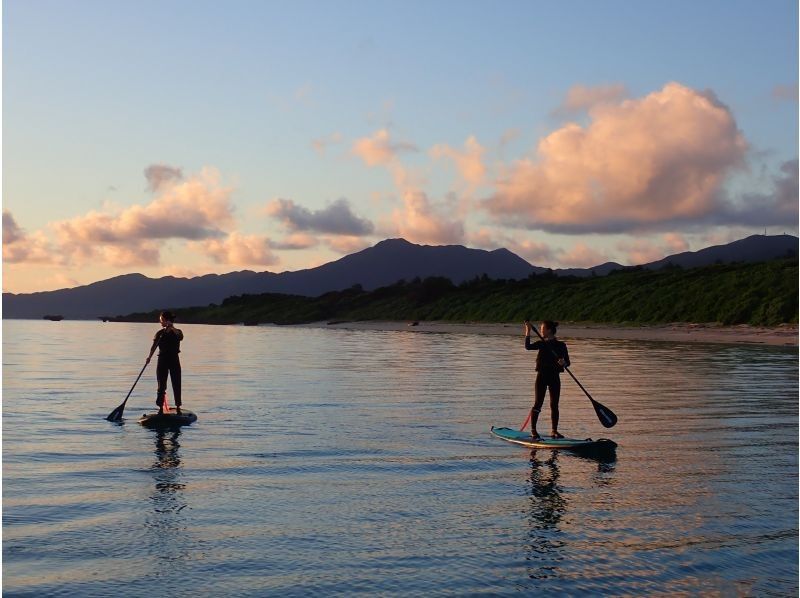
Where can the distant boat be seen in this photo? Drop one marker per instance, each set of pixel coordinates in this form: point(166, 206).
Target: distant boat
point(53, 318)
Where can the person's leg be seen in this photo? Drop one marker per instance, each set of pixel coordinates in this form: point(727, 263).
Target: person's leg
point(555, 395)
point(175, 377)
point(539, 389)
point(162, 370)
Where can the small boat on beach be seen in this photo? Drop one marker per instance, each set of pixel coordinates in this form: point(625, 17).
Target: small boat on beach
point(53, 318)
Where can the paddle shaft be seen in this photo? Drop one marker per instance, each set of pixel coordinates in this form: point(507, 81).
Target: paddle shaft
point(140, 375)
point(116, 415)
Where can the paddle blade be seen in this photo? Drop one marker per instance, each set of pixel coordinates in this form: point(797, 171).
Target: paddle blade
point(604, 414)
point(116, 415)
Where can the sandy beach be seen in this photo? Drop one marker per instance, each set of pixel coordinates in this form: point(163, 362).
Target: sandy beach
point(784, 335)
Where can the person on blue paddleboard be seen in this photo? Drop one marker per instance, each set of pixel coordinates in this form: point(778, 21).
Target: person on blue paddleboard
point(551, 359)
point(168, 341)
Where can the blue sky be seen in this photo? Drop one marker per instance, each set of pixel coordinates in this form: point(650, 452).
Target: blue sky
point(95, 92)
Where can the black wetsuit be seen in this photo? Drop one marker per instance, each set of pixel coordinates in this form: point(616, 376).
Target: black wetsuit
point(547, 376)
point(169, 345)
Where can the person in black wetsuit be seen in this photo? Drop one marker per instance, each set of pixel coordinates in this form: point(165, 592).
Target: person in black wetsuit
point(548, 368)
point(168, 340)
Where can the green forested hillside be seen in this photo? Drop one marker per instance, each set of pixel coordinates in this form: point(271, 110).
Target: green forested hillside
point(760, 294)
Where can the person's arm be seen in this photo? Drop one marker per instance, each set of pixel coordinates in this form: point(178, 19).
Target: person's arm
point(179, 332)
point(528, 344)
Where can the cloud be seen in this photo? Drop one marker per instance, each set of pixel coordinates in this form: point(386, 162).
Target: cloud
point(787, 93)
point(643, 251)
point(535, 252)
point(380, 149)
point(138, 253)
point(420, 219)
point(193, 209)
point(508, 137)
point(336, 218)
point(238, 250)
point(321, 144)
point(640, 251)
point(21, 247)
point(778, 206)
point(422, 222)
point(159, 175)
point(644, 163)
point(295, 241)
point(675, 243)
point(580, 98)
point(581, 255)
point(347, 245)
point(12, 233)
point(468, 161)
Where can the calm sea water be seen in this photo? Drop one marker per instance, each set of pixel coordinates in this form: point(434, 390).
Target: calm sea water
point(343, 462)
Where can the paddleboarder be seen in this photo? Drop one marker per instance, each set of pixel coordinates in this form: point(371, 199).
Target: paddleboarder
point(168, 340)
point(551, 359)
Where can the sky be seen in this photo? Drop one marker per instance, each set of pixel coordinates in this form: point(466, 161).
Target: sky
point(183, 138)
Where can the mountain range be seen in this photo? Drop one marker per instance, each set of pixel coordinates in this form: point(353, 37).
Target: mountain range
point(383, 264)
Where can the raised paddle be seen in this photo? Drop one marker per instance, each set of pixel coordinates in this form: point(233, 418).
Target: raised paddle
point(604, 414)
point(116, 415)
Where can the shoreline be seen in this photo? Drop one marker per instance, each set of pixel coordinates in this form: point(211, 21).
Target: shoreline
point(785, 335)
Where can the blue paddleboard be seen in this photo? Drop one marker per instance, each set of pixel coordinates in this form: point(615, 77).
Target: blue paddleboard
point(574, 444)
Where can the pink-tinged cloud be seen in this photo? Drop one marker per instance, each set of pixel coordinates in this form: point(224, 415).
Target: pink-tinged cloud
point(786, 93)
point(295, 241)
point(640, 251)
point(468, 161)
point(321, 144)
point(160, 175)
point(380, 149)
point(422, 222)
point(137, 253)
point(20, 247)
point(336, 218)
point(238, 250)
point(537, 253)
point(193, 209)
point(581, 255)
point(347, 245)
point(580, 97)
point(675, 243)
point(483, 238)
point(642, 163)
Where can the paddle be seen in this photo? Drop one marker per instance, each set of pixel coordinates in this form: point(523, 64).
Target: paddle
point(604, 414)
point(116, 415)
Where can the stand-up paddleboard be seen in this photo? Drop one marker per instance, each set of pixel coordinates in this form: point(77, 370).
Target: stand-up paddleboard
point(572, 444)
point(168, 420)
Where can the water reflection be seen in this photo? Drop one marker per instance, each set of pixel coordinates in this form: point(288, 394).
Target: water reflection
point(168, 520)
point(547, 506)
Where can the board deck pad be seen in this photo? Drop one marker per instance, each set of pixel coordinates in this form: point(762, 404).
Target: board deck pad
point(575, 444)
point(168, 420)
